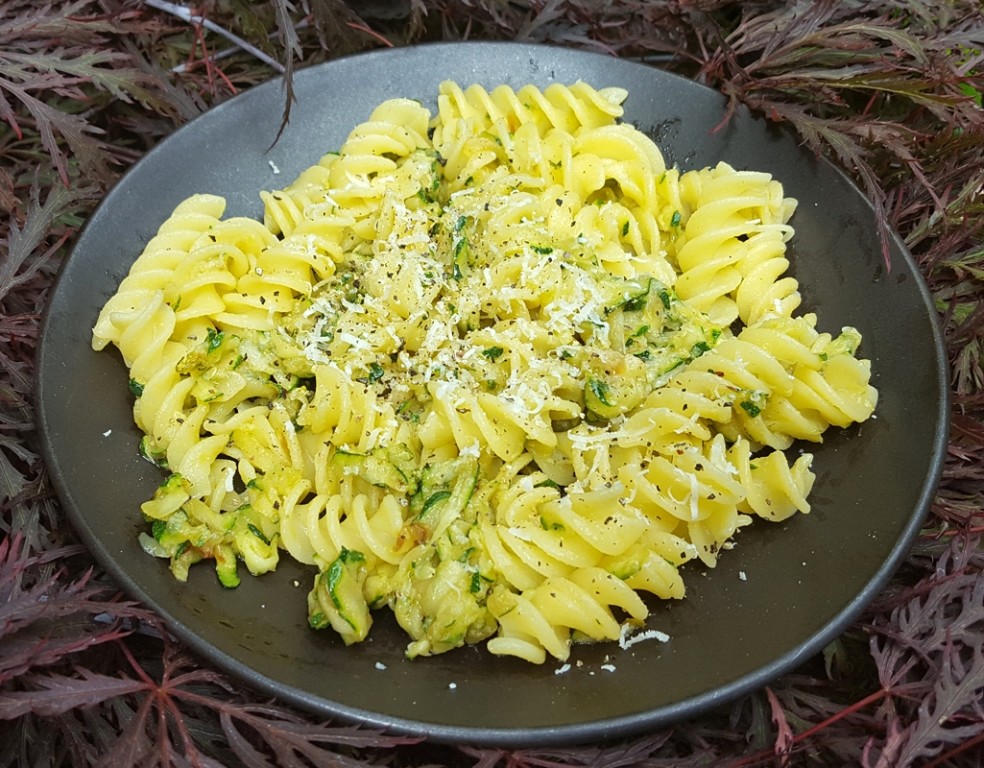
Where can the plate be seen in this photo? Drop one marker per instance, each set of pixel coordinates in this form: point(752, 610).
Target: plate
point(780, 596)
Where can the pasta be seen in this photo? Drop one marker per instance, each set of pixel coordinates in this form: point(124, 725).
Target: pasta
point(497, 368)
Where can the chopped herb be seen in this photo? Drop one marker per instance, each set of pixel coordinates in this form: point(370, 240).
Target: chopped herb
point(750, 408)
point(699, 349)
point(375, 372)
point(493, 353)
point(544, 249)
point(351, 556)
point(215, 339)
point(600, 390)
point(136, 388)
point(675, 219)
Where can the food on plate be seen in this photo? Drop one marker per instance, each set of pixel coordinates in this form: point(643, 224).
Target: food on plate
point(496, 368)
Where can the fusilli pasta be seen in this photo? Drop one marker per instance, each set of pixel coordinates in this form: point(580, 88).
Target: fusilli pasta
point(497, 368)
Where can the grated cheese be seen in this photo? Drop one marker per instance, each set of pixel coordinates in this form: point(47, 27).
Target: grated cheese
point(694, 495)
point(626, 639)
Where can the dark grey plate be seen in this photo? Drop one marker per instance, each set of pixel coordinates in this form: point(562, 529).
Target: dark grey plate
point(804, 580)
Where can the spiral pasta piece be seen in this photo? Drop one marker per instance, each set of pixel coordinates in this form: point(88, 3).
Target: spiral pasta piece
point(304, 197)
point(140, 318)
point(505, 111)
point(380, 157)
point(735, 229)
point(764, 290)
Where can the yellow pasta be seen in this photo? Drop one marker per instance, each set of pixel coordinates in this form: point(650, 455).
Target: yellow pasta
point(495, 368)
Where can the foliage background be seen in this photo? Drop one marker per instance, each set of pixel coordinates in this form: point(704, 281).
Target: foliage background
point(891, 89)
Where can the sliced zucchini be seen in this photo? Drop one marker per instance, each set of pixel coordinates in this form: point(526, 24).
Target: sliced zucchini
point(337, 599)
point(615, 384)
point(444, 491)
point(226, 565)
point(385, 468)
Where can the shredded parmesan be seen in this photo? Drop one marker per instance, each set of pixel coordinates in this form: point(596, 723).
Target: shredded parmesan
point(694, 498)
point(627, 639)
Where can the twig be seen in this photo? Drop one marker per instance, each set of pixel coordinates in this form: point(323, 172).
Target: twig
point(764, 755)
point(225, 53)
point(368, 31)
point(186, 15)
point(945, 757)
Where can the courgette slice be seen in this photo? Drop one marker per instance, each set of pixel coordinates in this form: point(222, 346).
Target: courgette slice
point(226, 566)
point(444, 492)
point(337, 599)
point(375, 467)
point(614, 386)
